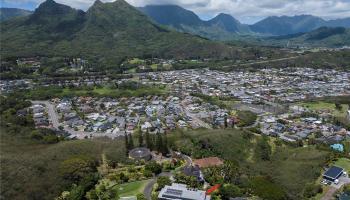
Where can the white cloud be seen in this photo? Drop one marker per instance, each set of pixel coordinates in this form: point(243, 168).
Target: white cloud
point(245, 10)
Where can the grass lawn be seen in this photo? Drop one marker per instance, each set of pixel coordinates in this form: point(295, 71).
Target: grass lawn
point(154, 66)
point(131, 71)
point(344, 163)
point(132, 189)
point(136, 61)
point(51, 92)
point(321, 105)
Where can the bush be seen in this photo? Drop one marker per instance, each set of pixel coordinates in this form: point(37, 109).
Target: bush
point(312, 190)
point(266, 189)
point(229, 191)
point(162, 181)
point(153, 167)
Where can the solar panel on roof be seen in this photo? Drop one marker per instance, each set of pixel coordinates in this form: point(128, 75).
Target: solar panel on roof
point(333, 172)
point(173, 192)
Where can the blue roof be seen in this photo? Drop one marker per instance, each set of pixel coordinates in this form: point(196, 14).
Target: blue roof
point(338, 147)
point(333, 172)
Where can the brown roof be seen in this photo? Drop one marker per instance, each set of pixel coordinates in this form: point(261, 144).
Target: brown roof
point(208, 162)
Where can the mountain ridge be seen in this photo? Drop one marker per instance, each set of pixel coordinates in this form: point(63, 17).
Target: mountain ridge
point(106, 31)
point(8, 13)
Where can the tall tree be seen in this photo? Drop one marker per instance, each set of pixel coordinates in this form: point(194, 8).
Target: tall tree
point(159, 142)
point(149, 143)
point(140, 136)
point(165, 149)
point(126, 143)
point(131, 142)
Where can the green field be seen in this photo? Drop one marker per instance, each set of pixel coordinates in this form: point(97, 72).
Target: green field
point(132, 189)
point(52, 92)
point(327, 106)
point(290, 167)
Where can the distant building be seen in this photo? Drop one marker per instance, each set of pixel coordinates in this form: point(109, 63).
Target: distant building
point(181, 192)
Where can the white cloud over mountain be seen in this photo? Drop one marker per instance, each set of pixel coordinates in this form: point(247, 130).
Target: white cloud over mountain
point(245, 10)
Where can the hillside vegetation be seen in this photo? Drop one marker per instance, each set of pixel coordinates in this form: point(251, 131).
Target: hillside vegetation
point(107, 32)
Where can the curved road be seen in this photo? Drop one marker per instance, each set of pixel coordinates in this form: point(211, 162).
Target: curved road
point(148, 189)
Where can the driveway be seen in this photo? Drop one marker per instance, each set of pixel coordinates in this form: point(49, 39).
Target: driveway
point(148, 189)
point(334, 188)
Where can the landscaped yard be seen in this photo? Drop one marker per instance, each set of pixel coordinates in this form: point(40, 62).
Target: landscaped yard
point(344, 163)
point(132, 189)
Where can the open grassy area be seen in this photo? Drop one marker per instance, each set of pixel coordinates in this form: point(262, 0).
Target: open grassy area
point(132, 189)
point(344, 163)
point(32, 171)
point(136, 61)
point(290, 167)
point(51, 92)
point(327, 106)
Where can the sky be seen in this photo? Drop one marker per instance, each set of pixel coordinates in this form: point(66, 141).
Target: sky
point(247, 11)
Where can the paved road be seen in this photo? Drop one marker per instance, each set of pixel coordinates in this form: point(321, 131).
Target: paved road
point(53, 117)
point(148, 189)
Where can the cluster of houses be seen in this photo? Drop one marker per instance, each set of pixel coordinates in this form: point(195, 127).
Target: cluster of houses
point(265, 85)
point(40, 116)
point(119, 116)
point(293, 126)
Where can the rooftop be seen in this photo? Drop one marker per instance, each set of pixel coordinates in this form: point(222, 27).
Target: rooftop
point(208, 162)
point(334, 172)
point(180, 191)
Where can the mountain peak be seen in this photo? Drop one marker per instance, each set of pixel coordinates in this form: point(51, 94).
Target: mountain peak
point(172, 15)
point(97, 2)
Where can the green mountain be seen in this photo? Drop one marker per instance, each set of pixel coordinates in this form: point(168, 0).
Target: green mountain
point(107, 32)
point(286, 25)
point(9, 13)
point(172, 15)
point(321, 37)
point(228, 23)
point(221, 27)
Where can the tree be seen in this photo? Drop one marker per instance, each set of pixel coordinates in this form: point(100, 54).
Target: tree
point(131, 142)
point(338, 106)
point(154, 167)
point(140, 136)
point(164, 148)
point(162, 181)
point(103, 191)
point(76, 168)
point(263, 148)
point(312, 190)
point(230, 171)
point(159, 142)
point(102, 106)
point(149, 143)
point(126, 142)
point(141, 196)
point(230, 191)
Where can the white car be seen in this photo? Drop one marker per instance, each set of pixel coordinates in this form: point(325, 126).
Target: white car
point(336, 181)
